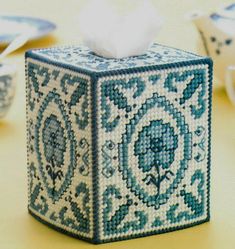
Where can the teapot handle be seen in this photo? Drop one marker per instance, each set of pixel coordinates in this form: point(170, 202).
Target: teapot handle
point(230, 82)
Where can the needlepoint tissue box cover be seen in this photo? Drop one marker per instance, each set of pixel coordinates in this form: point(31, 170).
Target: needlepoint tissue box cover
point(118, 148)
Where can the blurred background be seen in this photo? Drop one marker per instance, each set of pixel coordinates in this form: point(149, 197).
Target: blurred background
point(17, 229)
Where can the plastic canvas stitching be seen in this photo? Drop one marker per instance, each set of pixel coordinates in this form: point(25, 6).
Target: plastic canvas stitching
point(117, 154)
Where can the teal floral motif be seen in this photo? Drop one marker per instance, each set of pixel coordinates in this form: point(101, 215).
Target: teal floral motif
point(155, 148)
point(129, 174)
point(54, 147)
point(53, 141)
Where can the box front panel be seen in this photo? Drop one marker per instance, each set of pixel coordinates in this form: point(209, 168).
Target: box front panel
point(153, 151)
point(59, 147)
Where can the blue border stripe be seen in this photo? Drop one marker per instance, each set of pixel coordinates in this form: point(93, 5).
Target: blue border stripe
point(95, 174)
point(134, 236)
point(210, 63)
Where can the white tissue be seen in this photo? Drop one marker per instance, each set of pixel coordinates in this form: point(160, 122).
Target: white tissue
point(111, 34)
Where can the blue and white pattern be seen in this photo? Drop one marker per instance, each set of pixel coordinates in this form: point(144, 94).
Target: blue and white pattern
point(59, 139)
point(85, 59)
point(7, 92)
point(118, 154)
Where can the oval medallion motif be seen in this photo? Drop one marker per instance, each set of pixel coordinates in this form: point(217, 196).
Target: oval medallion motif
point(155, 149)
point(54, 141)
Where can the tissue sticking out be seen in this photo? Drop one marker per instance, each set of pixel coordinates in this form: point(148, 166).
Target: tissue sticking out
point(111, 34)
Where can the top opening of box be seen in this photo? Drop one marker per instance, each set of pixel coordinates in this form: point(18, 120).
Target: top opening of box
point(81, 57)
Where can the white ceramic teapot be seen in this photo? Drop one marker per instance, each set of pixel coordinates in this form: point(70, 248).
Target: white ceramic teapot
point(217, 32)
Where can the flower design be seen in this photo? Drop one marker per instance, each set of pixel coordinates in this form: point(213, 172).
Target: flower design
point(53, 140)
point(155, 148)
point(54, 146)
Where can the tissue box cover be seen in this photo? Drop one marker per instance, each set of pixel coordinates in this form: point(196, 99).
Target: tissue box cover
point(118, 148)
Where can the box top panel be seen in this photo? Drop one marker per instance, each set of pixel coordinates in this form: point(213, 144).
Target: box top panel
point(81, 57)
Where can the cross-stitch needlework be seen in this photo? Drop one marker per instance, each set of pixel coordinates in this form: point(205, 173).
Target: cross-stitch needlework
point(118, 148)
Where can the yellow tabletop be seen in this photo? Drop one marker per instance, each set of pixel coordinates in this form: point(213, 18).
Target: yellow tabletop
point(18, 230)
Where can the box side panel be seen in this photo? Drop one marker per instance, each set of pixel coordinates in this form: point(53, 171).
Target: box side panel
point(59, 147)
point(153, 150)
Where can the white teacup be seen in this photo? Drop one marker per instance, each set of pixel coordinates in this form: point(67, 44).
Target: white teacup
point(7, 87)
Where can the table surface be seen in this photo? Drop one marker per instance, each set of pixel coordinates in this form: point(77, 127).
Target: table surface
point(20, 230)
